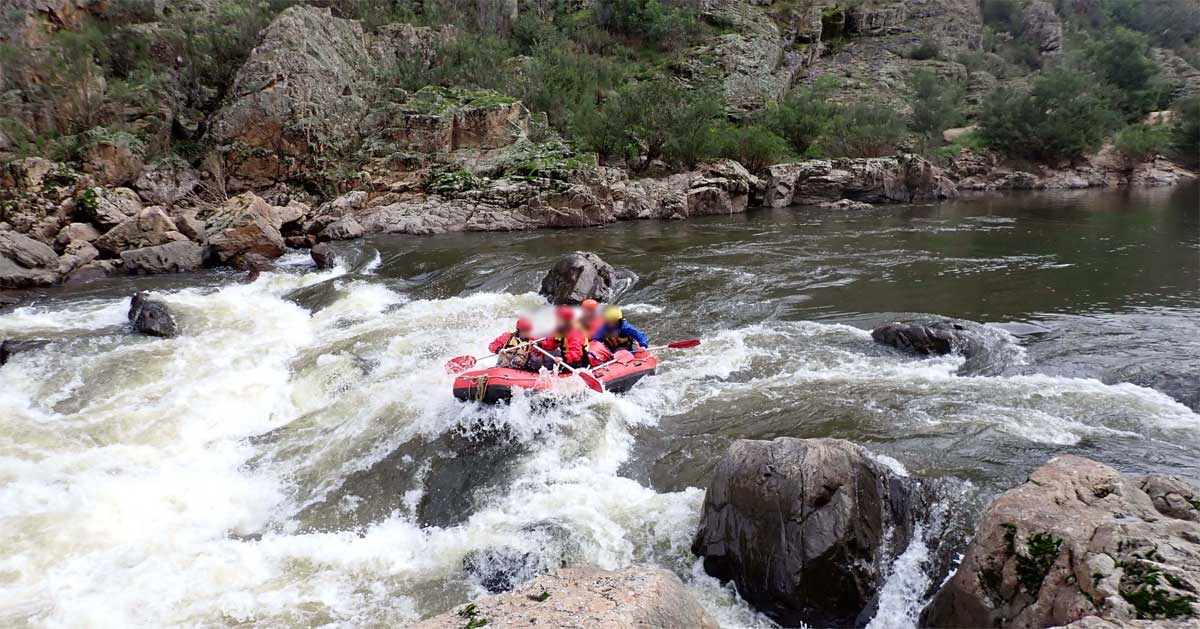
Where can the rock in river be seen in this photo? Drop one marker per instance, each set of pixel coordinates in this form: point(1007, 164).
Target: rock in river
point(631, 598)
point(11, 348)
point(151, 317)
point(1076, 541)
point(936, 338)
point(802, 526)
point(583, 275)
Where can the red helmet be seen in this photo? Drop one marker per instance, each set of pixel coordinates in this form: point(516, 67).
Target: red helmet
point(565, 313)
point(524, 325)
point(590, 305)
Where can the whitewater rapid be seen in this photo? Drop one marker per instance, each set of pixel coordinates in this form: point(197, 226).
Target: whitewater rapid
point(170, 482)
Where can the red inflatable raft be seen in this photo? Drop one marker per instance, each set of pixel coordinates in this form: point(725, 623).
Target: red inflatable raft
point(496, 384)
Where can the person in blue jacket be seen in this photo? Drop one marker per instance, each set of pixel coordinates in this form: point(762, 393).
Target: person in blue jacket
point(618, 334)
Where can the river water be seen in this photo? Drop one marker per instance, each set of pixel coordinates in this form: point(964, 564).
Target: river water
point(295, 458)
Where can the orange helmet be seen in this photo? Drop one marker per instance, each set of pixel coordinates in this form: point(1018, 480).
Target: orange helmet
point(565, 313)
point(590, 306)
point(524, 325)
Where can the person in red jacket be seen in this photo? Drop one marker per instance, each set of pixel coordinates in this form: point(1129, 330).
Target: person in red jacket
point(568, 340)
point(514, 348)
point(590, 318)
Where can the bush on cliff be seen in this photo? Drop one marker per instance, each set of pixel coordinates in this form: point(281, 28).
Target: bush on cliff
point(803, 116)
point(1185, 131)
point(1121, 58)
point(755, 146)
point(864, 129)
point(936, 103)
point(1139, 143)
point(1062, 116)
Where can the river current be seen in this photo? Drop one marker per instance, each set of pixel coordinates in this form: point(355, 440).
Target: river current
point(295, 458)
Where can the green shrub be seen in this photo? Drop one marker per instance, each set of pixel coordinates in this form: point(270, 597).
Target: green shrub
point(1003, 15)
point(973, 140)
point(1138, 143)
point(472, 60)
point(924, 51)
point(452, 181)
point(1064, 115)
point(936, 103)
point(864, 129)
point(1121, 58)
point(1185, 131)
point(658, 23)
point(803, 117)
point(755, 146)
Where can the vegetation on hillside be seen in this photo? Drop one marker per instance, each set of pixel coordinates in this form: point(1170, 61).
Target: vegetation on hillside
point(605, 77)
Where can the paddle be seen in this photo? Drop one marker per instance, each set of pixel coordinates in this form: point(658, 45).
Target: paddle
point(587, 378)
point(676, 345)
point(459, 364)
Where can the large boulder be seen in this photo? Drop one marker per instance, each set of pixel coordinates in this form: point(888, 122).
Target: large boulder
point(902, 179)
point(582, 275)
point(803, 528)
point(151, 316)
point(151, 227)
point(323, 256)
point(245, 224)
point(181, 256)
point(306, 88)
point(1042, 26)
point(166, 181)
point(631, 598)
point(936, 338)
point(113, 157)
point(1078, 540)
point(25, 262)
point(108, 207)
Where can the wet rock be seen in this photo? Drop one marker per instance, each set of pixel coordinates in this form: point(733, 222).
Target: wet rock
point(345, 228)
point(181, 256)
point(108, 207)
point(582, 275)
point(503, 568)
point(25, 262)
point(10, 348)
point(166, 181)
point(1076, 540)
point(151, 317)
point(461, 477)
point(151, 227)
point(323, 256)
point(936, 338)
point(243, 225)
point(586, 597)
point(95, 270)
point(803, 526)
point(902, 179)
point(845, 205)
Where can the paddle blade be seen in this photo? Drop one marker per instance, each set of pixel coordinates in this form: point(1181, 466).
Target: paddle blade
point(684, 344)
point(459, 364)
point(590, 381)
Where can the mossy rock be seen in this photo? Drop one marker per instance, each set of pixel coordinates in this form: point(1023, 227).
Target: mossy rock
point(435, 100)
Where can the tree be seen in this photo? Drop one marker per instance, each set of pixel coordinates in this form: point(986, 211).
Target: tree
point(803, 116)
point(936, 103)
point(864, 129)
point(1121, 58)
point(1063, 115)
point(755, 146)
point(1185, 131)
point(1138, 143)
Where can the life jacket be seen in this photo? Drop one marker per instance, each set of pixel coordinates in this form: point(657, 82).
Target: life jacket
point(520, 357)
point(560, 340)
point(617, 341)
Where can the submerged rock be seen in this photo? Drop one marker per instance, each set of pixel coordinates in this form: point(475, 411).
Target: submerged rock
point(10, 348)
point(803, 526)
point(1078, 540)
point(586, 597)
point(151, 317)
point(583, 275)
